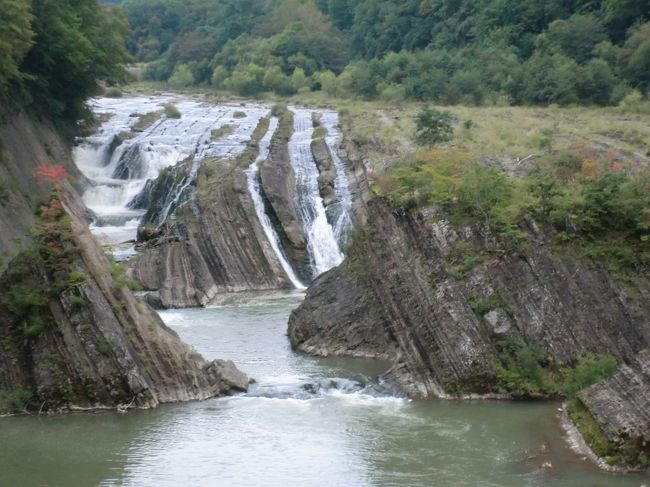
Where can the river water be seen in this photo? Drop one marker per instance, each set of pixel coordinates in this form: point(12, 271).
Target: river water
point(306, 422)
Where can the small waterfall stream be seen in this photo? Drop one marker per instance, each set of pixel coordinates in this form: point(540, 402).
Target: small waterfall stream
point(343, 206)
point(254, 190)
point(322, 245)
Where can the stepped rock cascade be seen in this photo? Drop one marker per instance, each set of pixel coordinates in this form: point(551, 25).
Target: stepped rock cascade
point(252, 176)
point(342, 208)
point(322, 245)
point(120, 158)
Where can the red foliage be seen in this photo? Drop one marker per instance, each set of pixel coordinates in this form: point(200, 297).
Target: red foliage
point(53, 174)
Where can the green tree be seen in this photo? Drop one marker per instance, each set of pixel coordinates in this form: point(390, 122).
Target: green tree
point(77, 43)
point(299, 81)
point(182, 76)
point(16, 37)
point(636, 57)
point(433, 126)
point(219, 75)
point(576, 37)
point(550, 79)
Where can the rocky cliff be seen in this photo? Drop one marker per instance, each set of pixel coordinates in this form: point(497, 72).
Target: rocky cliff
point(278, 185)
point(19, 193)
point(405, 294)
point(216, 246)
point(72, 335)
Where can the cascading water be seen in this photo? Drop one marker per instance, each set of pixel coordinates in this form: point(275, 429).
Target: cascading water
point(342, 208)
point(322, 245)
point(119, 161)
point(254, 190)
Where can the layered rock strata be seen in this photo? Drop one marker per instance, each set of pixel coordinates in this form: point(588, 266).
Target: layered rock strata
point(399, 296)
point(219, 247)
point(72, 335)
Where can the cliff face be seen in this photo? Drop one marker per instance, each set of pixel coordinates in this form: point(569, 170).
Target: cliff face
point(71, 334)
point(401, 295)
point(278, 184)
point(221, 248)
point(25, 143)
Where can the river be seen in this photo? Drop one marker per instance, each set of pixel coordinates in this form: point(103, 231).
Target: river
point(306, 422)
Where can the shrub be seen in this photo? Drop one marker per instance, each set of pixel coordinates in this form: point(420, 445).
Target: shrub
point(589, 370)
point(75, 278)
point(181, 76)
point(433, 127)
point(278, 110)
point(171, 111)
point(113, 92)
point(494, 301)
point(519, 372)
point(16, 400)
point(239, 114)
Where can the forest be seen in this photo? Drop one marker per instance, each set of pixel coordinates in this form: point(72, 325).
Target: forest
point(52, 54)
point(470, 52)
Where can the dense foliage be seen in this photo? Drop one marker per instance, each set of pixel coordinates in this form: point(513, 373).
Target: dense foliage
point(600, 203)
point(53, 52)
point(468, 51)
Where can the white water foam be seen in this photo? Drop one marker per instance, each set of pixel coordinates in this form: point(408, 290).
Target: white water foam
point(322, 246)
point(120, 173)
point(342, 208)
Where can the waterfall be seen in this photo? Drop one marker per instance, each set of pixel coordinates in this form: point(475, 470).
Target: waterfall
point(342, 207)
point(322, 246)
point(254, 190)
point(119, 161)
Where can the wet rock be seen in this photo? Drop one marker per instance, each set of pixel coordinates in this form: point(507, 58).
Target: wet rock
point(278, 186)
point(326, 170)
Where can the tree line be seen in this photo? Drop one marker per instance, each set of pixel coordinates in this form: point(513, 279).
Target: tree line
point(53, 52)
point(444, 51)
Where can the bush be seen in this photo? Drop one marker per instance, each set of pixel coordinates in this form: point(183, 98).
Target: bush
point(171, 111)
point(433, 127)
point(16, 400)
point(113, 92)
point(181, 76)
point(589, 370)
point(520, 372)
point(278, 110)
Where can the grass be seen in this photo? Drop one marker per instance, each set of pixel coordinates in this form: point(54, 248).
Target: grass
point(15, 400)
point(591, 431)
point(146, 120)
point(384, 130)
point(222, 131)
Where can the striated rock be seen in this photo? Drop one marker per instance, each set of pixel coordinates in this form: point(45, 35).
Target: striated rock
point(326, 170)
point(620, 407)
point(219, 248)
point(70, 336)
point(442, 325)
point(25, 142)
point(164, 195)
point(404, 295)
point(96, 345)
point(278, 185)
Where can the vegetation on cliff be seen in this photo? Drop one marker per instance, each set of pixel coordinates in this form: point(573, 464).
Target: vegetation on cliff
point(582, 196)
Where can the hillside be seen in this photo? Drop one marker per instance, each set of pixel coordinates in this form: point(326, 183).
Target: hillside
point(465, 52)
